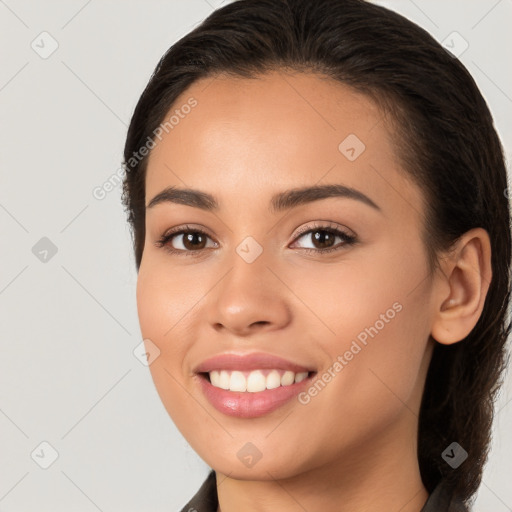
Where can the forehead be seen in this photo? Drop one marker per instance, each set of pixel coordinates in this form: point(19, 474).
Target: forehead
point(272, 133)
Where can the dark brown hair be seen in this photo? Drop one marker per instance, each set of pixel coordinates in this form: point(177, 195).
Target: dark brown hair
point(444, 136)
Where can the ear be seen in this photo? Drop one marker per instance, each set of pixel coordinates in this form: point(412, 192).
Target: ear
point(462, 289)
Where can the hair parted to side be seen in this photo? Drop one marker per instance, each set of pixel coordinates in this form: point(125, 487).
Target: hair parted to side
point(444, 136)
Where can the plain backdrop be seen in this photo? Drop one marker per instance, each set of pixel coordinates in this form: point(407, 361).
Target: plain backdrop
point(73, 394)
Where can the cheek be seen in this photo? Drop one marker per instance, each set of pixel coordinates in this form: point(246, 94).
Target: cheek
point(376, 320)
point(162, 306)
point(381, 297)
point(152, 307)
point(165, 298)
point(377, 381)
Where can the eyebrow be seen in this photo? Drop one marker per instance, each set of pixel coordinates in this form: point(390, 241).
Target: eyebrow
point(278, 203)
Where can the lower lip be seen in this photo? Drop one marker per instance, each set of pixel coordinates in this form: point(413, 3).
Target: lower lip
point(250, 405)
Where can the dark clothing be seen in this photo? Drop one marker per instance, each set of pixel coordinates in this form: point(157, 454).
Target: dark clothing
point(205, 500)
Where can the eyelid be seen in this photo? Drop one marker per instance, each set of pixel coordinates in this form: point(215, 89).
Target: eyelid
point(324, 225)
point(187, 228)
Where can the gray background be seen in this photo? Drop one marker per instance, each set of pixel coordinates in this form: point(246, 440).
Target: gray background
point(68, 374)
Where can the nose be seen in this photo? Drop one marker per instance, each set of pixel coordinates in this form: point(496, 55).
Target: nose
point(248, 299)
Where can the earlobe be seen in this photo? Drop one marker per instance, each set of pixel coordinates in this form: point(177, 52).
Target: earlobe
point(468, 274)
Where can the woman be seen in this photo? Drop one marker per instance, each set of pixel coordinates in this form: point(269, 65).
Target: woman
point(321, 226)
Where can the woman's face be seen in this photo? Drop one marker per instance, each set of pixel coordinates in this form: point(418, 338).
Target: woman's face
point(356, 318)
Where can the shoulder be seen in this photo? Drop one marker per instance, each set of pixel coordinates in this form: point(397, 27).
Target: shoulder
point(443, 499)
point(205, 499)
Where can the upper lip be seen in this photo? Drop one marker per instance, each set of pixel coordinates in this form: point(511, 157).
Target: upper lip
point(252, 361)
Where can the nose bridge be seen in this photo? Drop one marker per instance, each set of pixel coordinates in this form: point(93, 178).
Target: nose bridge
point(249, 275)
point(249, 293)
point(250, 250)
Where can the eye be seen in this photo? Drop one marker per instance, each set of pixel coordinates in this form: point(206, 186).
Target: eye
point(324, 236)
point(191, 240)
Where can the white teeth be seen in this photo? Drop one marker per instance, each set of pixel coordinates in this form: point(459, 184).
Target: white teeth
point(255, 380)
point(220, 379)
point(237, 382)
point(215, 378)
point(287, 378)
point(224, 380)
point(273, 379)
point(299, 377)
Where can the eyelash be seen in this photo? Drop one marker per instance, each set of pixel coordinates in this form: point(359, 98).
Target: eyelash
point(163, 242)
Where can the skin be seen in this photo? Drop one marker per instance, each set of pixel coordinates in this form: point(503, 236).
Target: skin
point(353, 446)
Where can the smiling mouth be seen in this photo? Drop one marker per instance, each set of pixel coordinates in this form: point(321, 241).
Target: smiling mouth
point(254, 381)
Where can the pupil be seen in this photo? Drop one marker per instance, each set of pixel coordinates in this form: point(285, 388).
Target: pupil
point(323, 238)
point(191, 240)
